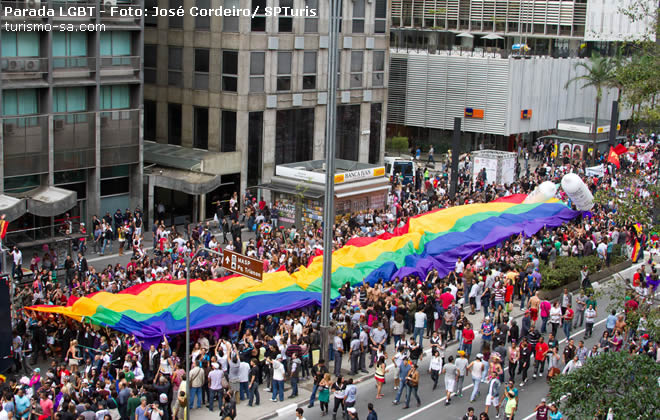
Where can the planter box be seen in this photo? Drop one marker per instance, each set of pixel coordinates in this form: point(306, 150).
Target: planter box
point(596, 277)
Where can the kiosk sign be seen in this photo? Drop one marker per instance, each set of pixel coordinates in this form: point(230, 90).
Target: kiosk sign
point(245, 266)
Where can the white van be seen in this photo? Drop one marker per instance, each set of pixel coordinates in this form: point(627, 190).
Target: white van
point(396, 165)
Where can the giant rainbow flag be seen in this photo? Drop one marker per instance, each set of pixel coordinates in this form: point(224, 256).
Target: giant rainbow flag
point(432, 240)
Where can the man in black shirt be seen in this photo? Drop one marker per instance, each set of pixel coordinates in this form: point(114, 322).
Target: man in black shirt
point(533, 337)
point(525, 357)
point(253, 384)
point(569, 351)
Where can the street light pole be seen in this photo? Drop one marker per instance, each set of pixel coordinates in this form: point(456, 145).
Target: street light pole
point(188, 273)
point(329, 199)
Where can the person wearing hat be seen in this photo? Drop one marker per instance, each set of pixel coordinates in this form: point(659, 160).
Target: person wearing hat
point(352, 413)
point(511, 404)
point(476, 367)
point(154, 412)
point(215, 385)
point(461, 370)
point(542, 410)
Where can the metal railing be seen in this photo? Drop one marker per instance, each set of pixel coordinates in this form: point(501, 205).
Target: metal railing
point(16, 69)
point(74, 63)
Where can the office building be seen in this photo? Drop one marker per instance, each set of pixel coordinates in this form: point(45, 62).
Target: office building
point(70, 107)
point(227, 99)
point(500, 65)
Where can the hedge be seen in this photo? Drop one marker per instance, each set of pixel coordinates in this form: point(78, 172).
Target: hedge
point(567, 269)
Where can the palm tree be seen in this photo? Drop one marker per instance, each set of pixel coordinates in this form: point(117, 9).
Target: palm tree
point(599, 73)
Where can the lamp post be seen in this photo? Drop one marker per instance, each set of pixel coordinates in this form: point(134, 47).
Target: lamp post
point(188, 272)
point(329, 199)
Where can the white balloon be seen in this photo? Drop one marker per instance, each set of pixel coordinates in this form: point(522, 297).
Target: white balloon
point(542, 193)
point(577, 191)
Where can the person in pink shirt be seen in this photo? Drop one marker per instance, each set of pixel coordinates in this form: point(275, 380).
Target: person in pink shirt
point(46, 405)
point(545, 314)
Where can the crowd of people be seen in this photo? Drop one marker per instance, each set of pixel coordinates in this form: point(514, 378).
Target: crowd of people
point(95, 373)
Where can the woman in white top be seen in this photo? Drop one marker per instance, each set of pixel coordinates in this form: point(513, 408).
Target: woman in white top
point(555, 317)
point(435, 367)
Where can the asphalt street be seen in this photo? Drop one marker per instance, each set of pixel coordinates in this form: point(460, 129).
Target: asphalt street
point(433, 402)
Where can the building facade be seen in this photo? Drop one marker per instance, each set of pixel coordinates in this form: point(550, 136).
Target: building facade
point(70, 103)
point(506, 60)
point(254, 90)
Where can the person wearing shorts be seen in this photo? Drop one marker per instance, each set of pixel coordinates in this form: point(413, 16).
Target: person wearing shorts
point(493, 396)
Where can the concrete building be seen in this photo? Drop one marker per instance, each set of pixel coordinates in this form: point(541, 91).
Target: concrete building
point(70, 103)
point(251, 92)
point(502, 65)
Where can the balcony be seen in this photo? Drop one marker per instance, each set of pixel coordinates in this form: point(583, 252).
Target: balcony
point(74, 140)
point(19, 6)
point(120, 137)
point(23, 70)
point(69, 67)
point(120, 66)
point(25, 145)
point(120, 13)
point(73, 10)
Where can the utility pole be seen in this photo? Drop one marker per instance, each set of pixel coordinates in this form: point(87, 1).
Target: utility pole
point(329, 200)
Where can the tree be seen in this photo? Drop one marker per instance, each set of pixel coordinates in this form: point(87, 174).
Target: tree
point(623, 382)
point(630, 206)
point(599, 73)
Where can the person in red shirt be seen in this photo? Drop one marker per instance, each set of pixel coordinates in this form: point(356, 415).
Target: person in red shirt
point(540, 351)
point(568, 321)
point(508, 296)
point(447, 298)
point(46, 406)
point(631, 305)
point(468, 338)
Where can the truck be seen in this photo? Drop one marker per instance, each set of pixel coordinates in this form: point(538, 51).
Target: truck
point(397, 165)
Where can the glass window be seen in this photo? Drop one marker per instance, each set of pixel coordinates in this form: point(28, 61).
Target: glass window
point(379, 69)
point(285, 21)
point(201, 134)
point(255, 144)
point(284, 70)
point(115, 186)
point(150, 116)
point(230, 71)
point(357, 60)
point(174, 124)
point(150, 63)
point(228, 137)
point(312, 23)
point(175, 66)
point(230, 23)
point(374, 133)
point(309, 70)
point(203, 22)
point(257, 68)
point(294, 135)
point(201, 68)
point(358, 16)
point(175, 22)
point(150, 18)
point(348, 132)
point(258, 21)
point(380, 12)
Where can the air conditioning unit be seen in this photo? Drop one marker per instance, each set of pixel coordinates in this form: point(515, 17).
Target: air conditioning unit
point(8, 129)
point(108, 4)
point(105, 121)
point(58, 124)
point(32, 65)
point(33, 4)
point(16, 65)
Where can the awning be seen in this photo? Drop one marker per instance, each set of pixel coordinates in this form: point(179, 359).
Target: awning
point(291, 190)
point(11, 207)
point(50, 201)
point(189, 182)
point(364, 191)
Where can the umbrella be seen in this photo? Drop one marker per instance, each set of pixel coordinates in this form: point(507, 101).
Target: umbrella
point(465, 35)
point(493, 36)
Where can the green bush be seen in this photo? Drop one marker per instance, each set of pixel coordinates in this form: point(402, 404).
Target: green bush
point(567, 269)
point(398, 144)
